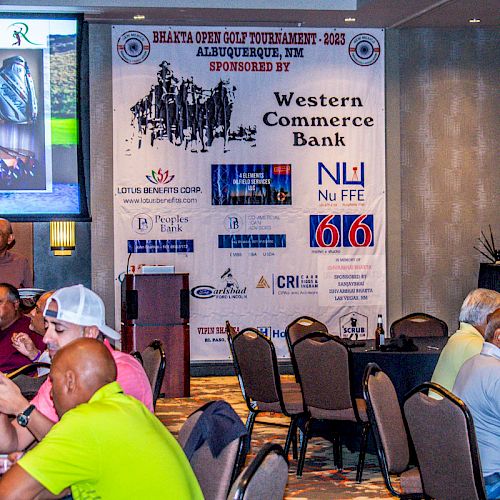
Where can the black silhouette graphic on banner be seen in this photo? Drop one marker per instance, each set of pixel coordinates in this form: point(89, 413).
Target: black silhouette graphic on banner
point(186, 114)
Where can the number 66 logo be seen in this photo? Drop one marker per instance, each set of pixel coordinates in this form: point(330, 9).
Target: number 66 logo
point(329, 231)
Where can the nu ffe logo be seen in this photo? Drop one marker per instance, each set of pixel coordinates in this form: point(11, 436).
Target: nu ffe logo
point(335, 230)
point(350, 179)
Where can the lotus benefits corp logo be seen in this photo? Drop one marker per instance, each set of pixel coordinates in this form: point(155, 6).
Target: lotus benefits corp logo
point(159, 177)
point(159, 182)
point(229, 288)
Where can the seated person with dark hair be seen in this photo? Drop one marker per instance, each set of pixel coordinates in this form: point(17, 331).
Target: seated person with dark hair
point(13, 321)
point(22, 341)
point(106, 445)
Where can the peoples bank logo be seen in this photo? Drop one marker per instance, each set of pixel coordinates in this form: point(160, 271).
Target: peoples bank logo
point(19, 33)
point(160, 177)
point(142, 223)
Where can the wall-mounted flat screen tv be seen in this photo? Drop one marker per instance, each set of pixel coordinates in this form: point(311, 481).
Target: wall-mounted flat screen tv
point(41, 156)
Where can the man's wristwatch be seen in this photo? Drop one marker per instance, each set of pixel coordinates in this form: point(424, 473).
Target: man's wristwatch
point(24, 417)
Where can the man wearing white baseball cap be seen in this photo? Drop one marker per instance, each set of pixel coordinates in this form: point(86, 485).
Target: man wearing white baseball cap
point(70, 313)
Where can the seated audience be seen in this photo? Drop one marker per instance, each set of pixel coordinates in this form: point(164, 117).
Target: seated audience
point(108, 445)
point(12, 321)
point(22, 341)
point(14, 269)
point(70, 313)
point(468, 340)
point(478, 385)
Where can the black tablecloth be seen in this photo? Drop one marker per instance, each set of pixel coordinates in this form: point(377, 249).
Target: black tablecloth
point(405, 369)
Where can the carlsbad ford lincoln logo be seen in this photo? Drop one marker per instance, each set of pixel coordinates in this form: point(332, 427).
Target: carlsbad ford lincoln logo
point(229, 288)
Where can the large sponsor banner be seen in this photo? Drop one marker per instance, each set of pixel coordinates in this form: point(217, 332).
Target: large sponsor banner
point(253, 159)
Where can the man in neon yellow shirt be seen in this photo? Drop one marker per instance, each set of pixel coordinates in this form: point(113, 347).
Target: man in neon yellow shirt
point(106, 446)
point(468, 340)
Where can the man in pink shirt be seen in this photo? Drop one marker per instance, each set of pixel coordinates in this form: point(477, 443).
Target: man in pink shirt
point(70, 313)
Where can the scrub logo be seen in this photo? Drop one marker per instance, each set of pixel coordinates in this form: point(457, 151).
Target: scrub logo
point(133, 47)
point(364, 49)
point(354, 326)
point(159, 177)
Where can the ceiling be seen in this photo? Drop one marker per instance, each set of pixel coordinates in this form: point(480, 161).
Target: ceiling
point(368, 13)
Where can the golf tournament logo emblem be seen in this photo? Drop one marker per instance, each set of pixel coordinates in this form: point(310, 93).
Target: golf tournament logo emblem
point(133, 47)
point(364, 49)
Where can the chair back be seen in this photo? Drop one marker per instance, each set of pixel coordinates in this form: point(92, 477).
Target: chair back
point(419, 325)
point(324, 368)
point(298, 328)
point(230, 331)
point(442, 431)
point(153, 361)
point(386, 419)
point(257, 365)
point(265, 477)
point(214, 474)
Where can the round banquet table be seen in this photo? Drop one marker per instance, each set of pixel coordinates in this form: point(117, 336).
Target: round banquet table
point(405, 369)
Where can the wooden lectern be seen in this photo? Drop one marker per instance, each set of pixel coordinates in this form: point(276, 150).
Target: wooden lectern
point(156, 306)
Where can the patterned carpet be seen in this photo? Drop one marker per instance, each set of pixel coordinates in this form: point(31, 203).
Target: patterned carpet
point(320, 479)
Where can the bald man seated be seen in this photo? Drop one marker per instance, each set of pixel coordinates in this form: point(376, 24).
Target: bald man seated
point(106, 445)
point(70, 313)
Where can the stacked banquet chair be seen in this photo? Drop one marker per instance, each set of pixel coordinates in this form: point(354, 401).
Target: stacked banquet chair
point(442, 431)
point(215, 442)
point(256, 366)
point(391, 438)
point(324, 371)
point(419, 325)
point(265, 477)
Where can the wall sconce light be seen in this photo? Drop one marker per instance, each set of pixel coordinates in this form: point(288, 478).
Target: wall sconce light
point(62, 237)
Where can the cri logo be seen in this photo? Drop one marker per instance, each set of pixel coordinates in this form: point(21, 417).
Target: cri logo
point(159, 177)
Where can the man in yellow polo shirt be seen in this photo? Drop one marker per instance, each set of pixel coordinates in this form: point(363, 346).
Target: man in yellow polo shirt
point(107, 445)
point(468, 340)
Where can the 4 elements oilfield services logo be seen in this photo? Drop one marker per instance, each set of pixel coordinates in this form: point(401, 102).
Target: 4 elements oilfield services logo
point(228, 288)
